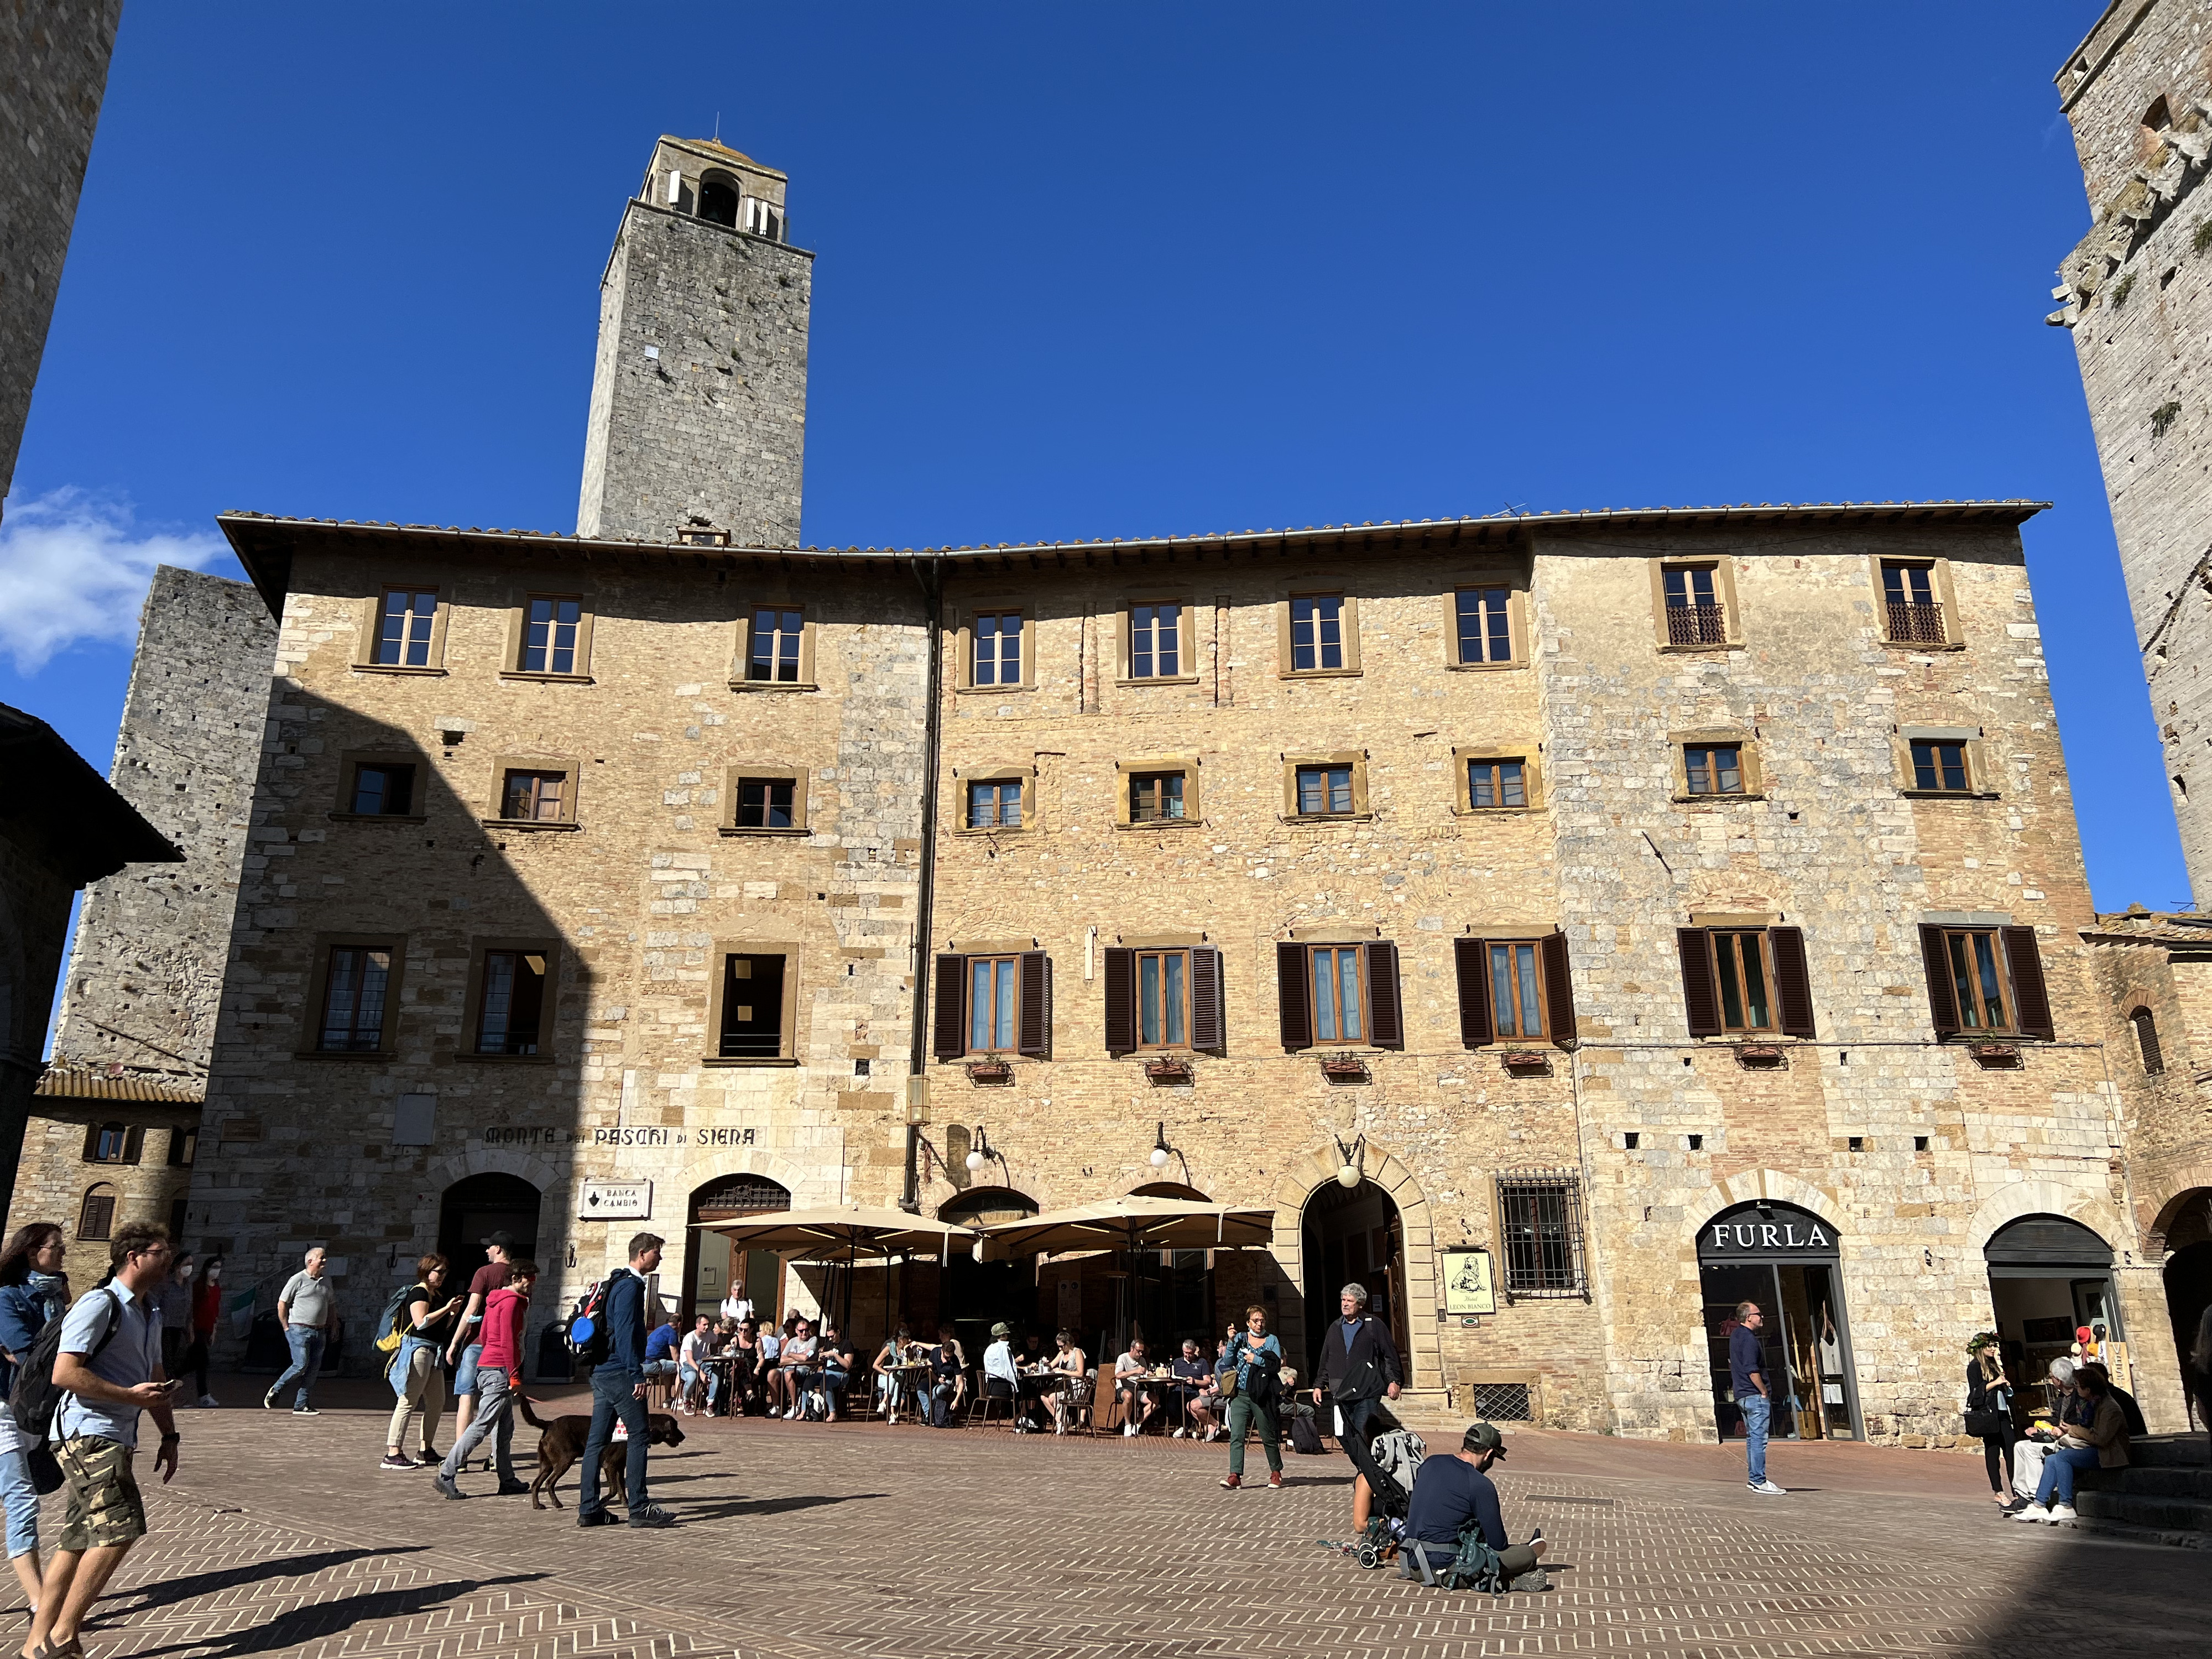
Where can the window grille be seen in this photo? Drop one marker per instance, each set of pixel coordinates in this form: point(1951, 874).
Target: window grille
point(745, 1194)
point(1501, 1402)
point(2146, 1041)
point(1540, 1213)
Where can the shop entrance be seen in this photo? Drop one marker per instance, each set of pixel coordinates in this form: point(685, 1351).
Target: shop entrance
point(1790, 1262)
point(2049, 1277)
point(712, 1268)
point(1353, 1233)
point(2189, 1281)
point(478, 1206)
point(973, 1296)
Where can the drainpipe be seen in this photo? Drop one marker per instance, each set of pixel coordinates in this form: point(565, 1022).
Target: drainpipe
point(933, 592)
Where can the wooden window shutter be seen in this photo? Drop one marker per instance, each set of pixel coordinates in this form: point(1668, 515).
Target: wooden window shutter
point(1471, 957)
point(91, 1143)
point(2031, 999)
point(1558, 989)
point(949, 1040)
point(1033, 999)
point(1942, 996)
point(1793, 985)
point(1700, 1000)
point(1209, 1026)
point(134, 1138)
point(1385, 1019)
point(1120, 999)
point(1293, 991)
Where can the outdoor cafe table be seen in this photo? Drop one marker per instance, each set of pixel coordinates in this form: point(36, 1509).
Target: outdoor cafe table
point(907, 1379)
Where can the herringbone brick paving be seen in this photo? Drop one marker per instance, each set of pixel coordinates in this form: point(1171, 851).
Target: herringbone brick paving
point(280, 1537)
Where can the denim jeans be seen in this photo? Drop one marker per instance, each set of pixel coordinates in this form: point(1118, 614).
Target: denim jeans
point(494, 1414)
point(614, 1394)
point(23, 1501)
point(2058, 1472)
point(1757, 1409)
point(307, 1342)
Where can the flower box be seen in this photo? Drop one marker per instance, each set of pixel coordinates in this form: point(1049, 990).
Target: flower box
point(1995, 1054)
point(1760, 1056)
point(1167, 1071)
point(990, 1071)
point(1344, 1067)
point(1526, 1060)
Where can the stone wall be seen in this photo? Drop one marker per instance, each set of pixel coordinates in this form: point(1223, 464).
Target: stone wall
point(53, 73)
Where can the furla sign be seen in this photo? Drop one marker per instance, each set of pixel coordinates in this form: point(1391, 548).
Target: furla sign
point(1765, 1232)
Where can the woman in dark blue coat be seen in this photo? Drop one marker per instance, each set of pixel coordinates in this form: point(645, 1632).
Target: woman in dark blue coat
point(32, 1291)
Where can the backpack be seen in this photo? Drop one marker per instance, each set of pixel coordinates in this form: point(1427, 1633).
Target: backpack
point(1305, 1436)
point(389, 1333)
point(588, 1337)
point(35, 1397)
point(1398, 1454)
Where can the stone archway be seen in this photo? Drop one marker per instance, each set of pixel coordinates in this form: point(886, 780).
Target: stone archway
point(1309, 1171)
point(2091, 1207)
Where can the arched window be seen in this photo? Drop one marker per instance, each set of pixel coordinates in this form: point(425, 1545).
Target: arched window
point(1169, 1189)
point(718, 199)
point(981, 1205)
point(2146, 1041)
point(95, 1221)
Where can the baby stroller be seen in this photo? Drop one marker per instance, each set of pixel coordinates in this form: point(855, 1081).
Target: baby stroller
point(1398, 1454)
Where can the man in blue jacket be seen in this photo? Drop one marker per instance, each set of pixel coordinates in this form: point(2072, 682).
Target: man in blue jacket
point(1747, 1381)
point(619, 1391)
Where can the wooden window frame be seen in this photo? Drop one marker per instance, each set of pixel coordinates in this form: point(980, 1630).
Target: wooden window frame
point(518, 635)
point(1348, 627)
point(1125, 672)
point(371, 630)
point(1127, 771)
point(1783, 960)
point(1516, 627)
point(1752, 774)
point(1463, 760)
point(129, 1142)
point(717, 976)
point(1011, 963)
point(1206, 1023)
point(1160, 953)
point(112, 1198)
point(949, 1014)
point(741, 658)
point(571, 773)
point(1032, 819)
point(1354, 758)
point(1947, 597)
point(962, 635)
point(1358, 951)
point(1723, 570)
point(1379, 962)
point(2000, 960)
point(1555, 990)
point(738, 773)
point(2025, 982)
point(473, 999)
point(1724, 946)
point(318, 986)
point(1979, 775)
point(184, 1145)
point(351, 763)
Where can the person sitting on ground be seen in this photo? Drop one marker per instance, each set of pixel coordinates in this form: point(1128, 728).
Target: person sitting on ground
point(1000, 1380)
point(948, 1377)
point(2101, 1442)
point(661, 1348)
point(1452, 1492)
point(795, 1369)
point(1069, 1401)
point(1193, 1385)
point(1138, 1400)
point(836, 1357)
point(694, 1377)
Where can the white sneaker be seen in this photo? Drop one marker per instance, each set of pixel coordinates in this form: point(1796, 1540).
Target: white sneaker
point(2033, 1512)
point(1768, 1489)
point(210, 1399)
point(791, 1415)
point(2061, 1513)
point(1129, 1431)
point(1178, 1434)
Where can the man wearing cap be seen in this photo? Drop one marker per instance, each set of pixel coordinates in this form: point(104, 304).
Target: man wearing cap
point(1001, 1380)
point(467, 1346)
point(1449, 1492)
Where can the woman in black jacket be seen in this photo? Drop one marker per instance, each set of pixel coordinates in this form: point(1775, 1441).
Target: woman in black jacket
point(1989, 1389)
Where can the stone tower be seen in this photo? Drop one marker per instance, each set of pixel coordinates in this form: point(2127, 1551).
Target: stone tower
point(698, 419)
point(2138, 293)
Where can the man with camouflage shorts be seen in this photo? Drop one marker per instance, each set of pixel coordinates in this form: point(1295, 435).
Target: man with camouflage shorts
point(110, 1361)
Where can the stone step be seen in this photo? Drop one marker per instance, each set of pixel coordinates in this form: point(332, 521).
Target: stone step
point(2170, 1451)
point(2161, 1514)
point(2189, 1483)
point(2123, 1531)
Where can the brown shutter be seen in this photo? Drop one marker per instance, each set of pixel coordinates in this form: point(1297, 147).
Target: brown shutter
point(1471, 957)
point(1942, 996)
point(2031, 1001)
point(1120, 1000)
point(91, 1143)
point(1033, 1006)
point(950, 1040)
point(1386, 1020)
point(1293, 991)
point(1793, 985)
point(1558, 989)
point(1698, 999)
point(1209, 1025)
point(133, 1142)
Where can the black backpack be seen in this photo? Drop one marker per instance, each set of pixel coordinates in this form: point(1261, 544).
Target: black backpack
point(35, 1398)
point(587, 1326)
point(1305, 1436)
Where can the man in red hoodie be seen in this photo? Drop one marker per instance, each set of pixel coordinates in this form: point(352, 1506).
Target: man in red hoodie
point(499, 1379)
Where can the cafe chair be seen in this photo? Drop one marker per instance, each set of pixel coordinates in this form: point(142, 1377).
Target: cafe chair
point(1105, 1415)
point(981, 1402)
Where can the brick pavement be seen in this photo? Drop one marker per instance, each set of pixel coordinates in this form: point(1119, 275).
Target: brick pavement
point(281, 1537)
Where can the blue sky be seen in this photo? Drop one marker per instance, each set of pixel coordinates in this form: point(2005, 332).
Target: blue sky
point(1105, 271)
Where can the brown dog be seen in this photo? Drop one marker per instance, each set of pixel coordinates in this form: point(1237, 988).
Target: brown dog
point(562, 1442)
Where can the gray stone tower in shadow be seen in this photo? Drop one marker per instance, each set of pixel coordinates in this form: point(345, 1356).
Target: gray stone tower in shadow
point(698, 419)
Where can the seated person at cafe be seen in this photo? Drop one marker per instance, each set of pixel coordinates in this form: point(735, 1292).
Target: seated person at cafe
point(836, 1357)
point(1452, 1490)
point(1068, 1402)
point(1000, 1380)
point(891, 1385)
point(660, 1349)
point(795, 1369)
point(748, 1360)
point(1139, 1399)
point(948, 1377)
point(1194, 1387)
point(694, 1378)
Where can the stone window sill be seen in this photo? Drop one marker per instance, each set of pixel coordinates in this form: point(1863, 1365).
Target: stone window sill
point(1483, 667)
point(773, 685)
point(393, 668)
point(530, 825)
point(1720, 800)
point(1155, 679)
point(1317, 673)
point(1328, 817)
point(1498, 812)
point(1673, 650)
point(1950, 794)
point(795, 832)
point(556, 680)
point(1160, 824)
point(344, 1053)
point(994, 830)
point(1923, 645)
point(991, 690)
point(750, 1060)
point(376, 817)
point(471, 1058)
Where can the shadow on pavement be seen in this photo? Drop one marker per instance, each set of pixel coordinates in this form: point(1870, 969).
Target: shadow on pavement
point(171, 1591)
point(306, 1624)
point(771, 1505)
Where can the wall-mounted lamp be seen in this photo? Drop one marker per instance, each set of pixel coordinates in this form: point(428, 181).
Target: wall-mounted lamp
point(979, 1150)
point(1348, 1173)
point(1161, 1153)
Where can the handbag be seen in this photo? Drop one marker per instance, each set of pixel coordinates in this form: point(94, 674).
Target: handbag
point(1987, 1424)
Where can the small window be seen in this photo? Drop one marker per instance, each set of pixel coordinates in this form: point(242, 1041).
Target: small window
point(1695, 615)
point(183, 1147)
point(1155, 641)
point(1317, 633)
point(777, 633)
point(1938, 764)
point(110, 1143)
point(511, 1002)
point(1496, 783)
point(1339, 995)
point(402, 638)
point(1913, 614)
point(1324, 791)
point(1163, 999)
point(766, 804)
point(993, 983)
point(1976, 978)
point(2146, 1026)
point(532, 797)
point(1154, 796)
point(996, 658)
point(995, 804)
point(1540, 1218)
point(1713, 769)
point(1486, 631)
point(384, 789)
point(752, 1007)
point(549, 635)
point(1742, 973)
point(700, 535)
point(354, 1000)
point(1517, 989)
point(95, 1221)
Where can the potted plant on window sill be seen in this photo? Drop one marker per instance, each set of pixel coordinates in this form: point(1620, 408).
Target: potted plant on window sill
point(1760, 1056)
point(994, 1068)
point(1344, 1066)
point(1990, 1053)
point(1167, 1068)
point(1527, 1060)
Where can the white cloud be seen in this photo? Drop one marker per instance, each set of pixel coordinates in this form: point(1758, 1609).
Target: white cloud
point(74, 567)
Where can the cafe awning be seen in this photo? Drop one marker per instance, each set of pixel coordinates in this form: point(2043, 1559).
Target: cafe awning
point(851, 1227)
point(1132, 1223)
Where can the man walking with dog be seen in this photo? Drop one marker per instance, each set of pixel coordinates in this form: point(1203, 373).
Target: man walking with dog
point(618, 1392)
point(1358, 1366)
point(499, 1380)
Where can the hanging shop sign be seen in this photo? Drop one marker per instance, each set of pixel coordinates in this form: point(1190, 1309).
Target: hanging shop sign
point(616, 1201)
point(1767, 1232)
point(1468, 1288)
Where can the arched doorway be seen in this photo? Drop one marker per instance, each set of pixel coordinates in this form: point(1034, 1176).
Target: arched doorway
point(1353, 1233)
point(718, 199)
point(712, 1268)
point(2048, 1277)
point(1790, 1261)
point(476, 1206)
point(973, 1296)
point(2189, 1280)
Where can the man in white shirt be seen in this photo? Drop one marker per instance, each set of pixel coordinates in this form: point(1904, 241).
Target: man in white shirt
point(110, 1361)
point(737, 1307)
point(1138, 1401)
point(1002, 1380)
